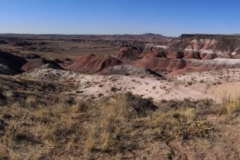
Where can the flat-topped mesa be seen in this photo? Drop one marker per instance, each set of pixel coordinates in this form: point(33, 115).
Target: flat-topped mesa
point(211, 36)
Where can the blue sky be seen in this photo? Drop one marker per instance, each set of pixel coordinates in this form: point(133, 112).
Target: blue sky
point(167, 17)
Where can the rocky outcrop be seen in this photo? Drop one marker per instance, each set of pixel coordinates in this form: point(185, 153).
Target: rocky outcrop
point(179, 66)
point(36, 63)
point(223, 46)
point(185, 54)
point(129, 53)
point(10, 64)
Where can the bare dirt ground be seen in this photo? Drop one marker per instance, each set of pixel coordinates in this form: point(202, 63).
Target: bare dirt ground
point(209, 84)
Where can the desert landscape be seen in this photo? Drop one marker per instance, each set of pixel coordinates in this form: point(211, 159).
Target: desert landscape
point(122, 97)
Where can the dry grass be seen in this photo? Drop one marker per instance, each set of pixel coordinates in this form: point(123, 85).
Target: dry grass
point(45, 129)
point(231, 108)
point(115, 126)
point(54, 126)
point(105, 131)
point(123, 122)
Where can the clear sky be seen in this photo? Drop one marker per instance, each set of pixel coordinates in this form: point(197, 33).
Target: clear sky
point(167, 17)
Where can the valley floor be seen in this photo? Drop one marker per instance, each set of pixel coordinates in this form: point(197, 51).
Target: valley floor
point(214, 85)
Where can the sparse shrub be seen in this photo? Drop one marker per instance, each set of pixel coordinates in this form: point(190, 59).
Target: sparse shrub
point(113, 89)
point(25, 137)
point(163, 87)
point(79, 107)
point(170, 79)
point(100, 94)
point(100, 85)
point(79, 91)
point(2, 99)
point(114, 80)
point(31, 102)
point(163, 101)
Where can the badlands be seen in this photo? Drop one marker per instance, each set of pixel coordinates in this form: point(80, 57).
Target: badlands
point(119, 96)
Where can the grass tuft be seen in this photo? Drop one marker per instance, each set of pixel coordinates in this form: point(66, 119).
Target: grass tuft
point(232, 104)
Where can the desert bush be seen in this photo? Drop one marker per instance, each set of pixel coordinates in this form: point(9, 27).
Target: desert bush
point(80, 107)
point(31, 102)
point(100, 94)
point(2, 99)
point(113, 89)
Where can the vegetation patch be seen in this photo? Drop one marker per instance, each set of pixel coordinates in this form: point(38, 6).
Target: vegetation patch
point(124, 126)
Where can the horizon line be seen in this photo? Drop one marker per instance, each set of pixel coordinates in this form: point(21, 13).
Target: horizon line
point(117, 34)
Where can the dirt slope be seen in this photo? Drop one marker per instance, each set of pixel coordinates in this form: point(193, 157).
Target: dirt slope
point(93, 64)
